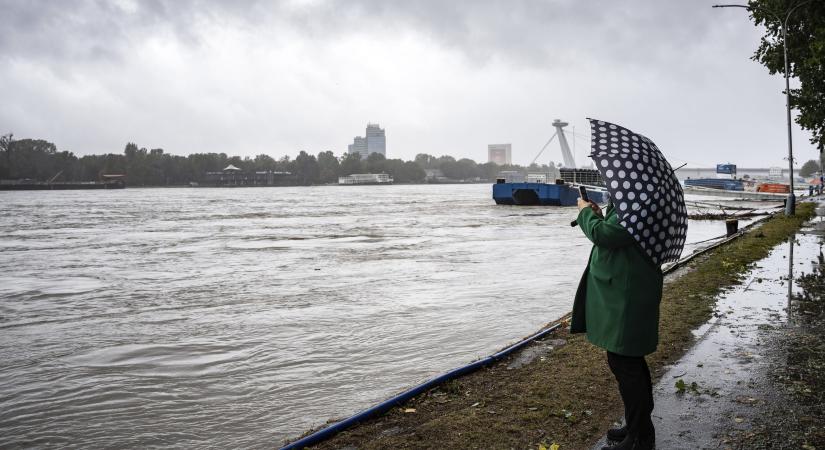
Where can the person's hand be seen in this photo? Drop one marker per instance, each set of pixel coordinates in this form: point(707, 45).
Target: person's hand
point(586, 204)
point(596, 209)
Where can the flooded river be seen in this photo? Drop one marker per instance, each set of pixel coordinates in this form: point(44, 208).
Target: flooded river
point(239, 317)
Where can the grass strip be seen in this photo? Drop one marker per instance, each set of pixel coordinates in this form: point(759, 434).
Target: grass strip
point(567, 397)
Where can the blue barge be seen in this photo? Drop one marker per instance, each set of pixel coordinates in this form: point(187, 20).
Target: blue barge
point(511, 188)
point(716, 183)
point(544, 194)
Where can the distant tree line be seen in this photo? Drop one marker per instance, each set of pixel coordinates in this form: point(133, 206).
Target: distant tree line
point(41, 160)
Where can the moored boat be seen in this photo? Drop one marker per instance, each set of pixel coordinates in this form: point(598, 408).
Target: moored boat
point(558, 188)
point(365, 178)
point(544, 194)
point(716, 183)
point(774, 188)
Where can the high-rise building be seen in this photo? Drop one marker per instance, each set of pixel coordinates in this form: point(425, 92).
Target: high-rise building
point(500, 154)
point(375, 141)
point(359, 145)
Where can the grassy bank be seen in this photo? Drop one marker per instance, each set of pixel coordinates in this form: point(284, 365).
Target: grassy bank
point(567, 396)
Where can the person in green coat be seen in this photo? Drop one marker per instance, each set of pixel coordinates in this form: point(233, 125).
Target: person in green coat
point(617, 305)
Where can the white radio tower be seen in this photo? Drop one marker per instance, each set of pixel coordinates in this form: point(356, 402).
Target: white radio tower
point(566, 154)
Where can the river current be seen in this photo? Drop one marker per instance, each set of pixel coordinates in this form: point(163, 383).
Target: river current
point(218, 318)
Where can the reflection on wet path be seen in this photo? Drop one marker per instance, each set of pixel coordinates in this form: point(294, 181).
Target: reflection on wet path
point(239, 317)
point(727, 375)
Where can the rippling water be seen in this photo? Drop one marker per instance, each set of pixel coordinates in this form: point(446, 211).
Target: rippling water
point(240, 317)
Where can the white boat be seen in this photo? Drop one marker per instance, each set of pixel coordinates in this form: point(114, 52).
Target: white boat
point(365, 178)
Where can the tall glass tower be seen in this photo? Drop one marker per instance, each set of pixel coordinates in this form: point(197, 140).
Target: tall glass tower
point(375, 141)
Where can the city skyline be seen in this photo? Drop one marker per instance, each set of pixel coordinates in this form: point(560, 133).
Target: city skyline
point(216, 77)
point(373, 141)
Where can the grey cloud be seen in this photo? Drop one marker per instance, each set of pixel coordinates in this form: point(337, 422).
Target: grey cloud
point(533, 33)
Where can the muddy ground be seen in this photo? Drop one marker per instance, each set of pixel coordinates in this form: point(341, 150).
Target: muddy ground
point(559, 391)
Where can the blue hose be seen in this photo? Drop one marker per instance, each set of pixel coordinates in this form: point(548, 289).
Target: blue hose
point(326, 433)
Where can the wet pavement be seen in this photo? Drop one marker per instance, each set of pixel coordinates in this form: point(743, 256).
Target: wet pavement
point(724, 382)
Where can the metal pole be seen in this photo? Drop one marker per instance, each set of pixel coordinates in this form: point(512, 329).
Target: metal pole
point(790, 205)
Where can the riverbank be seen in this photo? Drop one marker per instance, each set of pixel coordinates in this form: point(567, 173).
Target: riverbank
point(560, 390)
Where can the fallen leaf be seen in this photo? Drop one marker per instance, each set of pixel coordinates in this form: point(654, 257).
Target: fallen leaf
point(554, 446)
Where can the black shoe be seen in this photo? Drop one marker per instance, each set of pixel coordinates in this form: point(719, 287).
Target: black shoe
point(645, 443)
point(617, 434)
point(631, 443)
point(626, 444)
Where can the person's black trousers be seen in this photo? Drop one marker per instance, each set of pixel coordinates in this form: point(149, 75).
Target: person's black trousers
point(633, 376)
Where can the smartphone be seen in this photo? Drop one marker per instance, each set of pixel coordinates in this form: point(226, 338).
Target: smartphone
point(583, 192)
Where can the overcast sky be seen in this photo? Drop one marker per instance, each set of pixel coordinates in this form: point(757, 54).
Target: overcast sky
point(442, 77)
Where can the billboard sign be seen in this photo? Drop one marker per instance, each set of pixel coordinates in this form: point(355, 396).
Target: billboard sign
point(728, 169)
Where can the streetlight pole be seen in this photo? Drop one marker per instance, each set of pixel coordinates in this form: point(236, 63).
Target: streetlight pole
point(790, 205)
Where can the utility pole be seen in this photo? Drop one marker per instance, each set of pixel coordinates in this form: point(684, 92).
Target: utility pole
point(790, 204)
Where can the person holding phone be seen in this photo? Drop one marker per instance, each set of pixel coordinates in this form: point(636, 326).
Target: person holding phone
point(617, 305)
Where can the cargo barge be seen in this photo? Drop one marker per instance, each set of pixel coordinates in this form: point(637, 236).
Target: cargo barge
point(557, 188)
point(561, 192)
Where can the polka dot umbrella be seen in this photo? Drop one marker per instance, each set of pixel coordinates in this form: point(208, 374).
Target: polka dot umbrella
point(644, 189)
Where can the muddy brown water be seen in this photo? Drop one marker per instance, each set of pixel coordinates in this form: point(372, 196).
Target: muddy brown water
point(240, 317)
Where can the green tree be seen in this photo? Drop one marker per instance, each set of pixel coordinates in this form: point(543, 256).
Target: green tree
point(376, 163)
point(809, 168)
point(424, 160)
point(264, 162)
point(36, 159)
point(130, 150)
point(351, 163)
point(305, 168)
point(463, 169)
point(806, 56)
point(328, 167)
point(5, 154)
point(489, 170)
point(409, 172)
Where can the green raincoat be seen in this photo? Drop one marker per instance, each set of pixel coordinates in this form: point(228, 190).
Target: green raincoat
point(617, 302)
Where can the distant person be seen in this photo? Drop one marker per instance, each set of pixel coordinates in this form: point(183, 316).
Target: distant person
point(810, 190)
point(617, 305)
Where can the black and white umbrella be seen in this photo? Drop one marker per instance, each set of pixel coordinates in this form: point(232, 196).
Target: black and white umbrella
point(644, 189)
